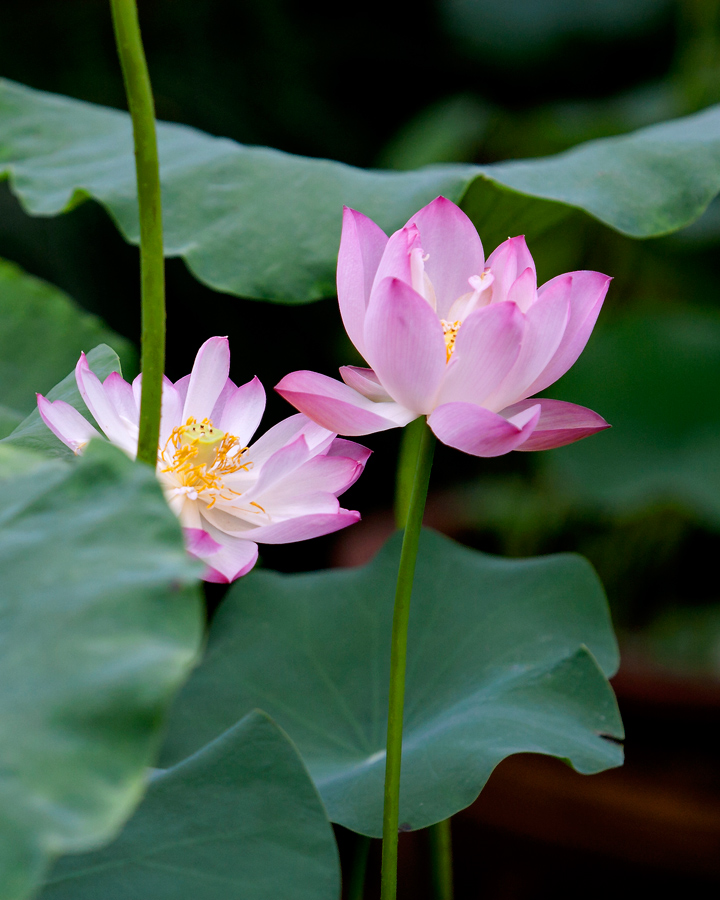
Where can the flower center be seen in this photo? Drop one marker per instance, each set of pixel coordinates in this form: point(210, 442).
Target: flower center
point(200, 456)
point(450, 330)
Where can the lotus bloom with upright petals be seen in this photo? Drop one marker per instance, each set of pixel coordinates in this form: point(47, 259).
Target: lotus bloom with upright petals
point(453, 337)
point(228, 496)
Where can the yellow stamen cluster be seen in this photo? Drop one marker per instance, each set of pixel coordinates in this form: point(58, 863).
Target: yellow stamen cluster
point(202, 456)
point(450, 330)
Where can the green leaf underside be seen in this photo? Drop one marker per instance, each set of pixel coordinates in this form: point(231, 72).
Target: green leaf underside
point(100, 621)
point(241, 819)
point(33, 434)
point(264, 224)
point(42, 333)
point(654, 378)
point(497, 665)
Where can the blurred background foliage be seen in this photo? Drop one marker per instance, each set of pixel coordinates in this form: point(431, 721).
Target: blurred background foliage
point(381, 84)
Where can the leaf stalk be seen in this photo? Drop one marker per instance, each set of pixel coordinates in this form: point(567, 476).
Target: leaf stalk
point(441, 862)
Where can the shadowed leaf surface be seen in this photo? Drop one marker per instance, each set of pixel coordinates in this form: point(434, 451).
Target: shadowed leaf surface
point(240, 820)
point(100, 621)
point(33, 434)
point(42, 333)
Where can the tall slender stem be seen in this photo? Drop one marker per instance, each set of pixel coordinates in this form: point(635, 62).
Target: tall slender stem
point(152, 263)
point(398, 657)
point(439, 835)
point(441, 859)
point(407, 462)
point(356, 878)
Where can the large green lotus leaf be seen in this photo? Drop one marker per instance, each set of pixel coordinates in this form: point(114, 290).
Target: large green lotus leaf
point(33, 434)
point(497, 665)
point(240, 820)
point(42, 333)
point(260, 223)
point(100, 621)
point(655, 379)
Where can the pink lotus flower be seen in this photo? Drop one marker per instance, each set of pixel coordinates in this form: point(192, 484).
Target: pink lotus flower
point(452, 337)
point(228, 496)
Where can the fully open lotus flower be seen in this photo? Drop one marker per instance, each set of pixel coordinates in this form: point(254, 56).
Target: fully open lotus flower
point(450, 336)
point(228, 496)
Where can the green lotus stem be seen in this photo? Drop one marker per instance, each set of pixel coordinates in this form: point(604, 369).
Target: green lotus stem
point(407, 461)
point(441, 859)
point(152, 263)
point(398, 657)
point(439, 835)
point(356, 879)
